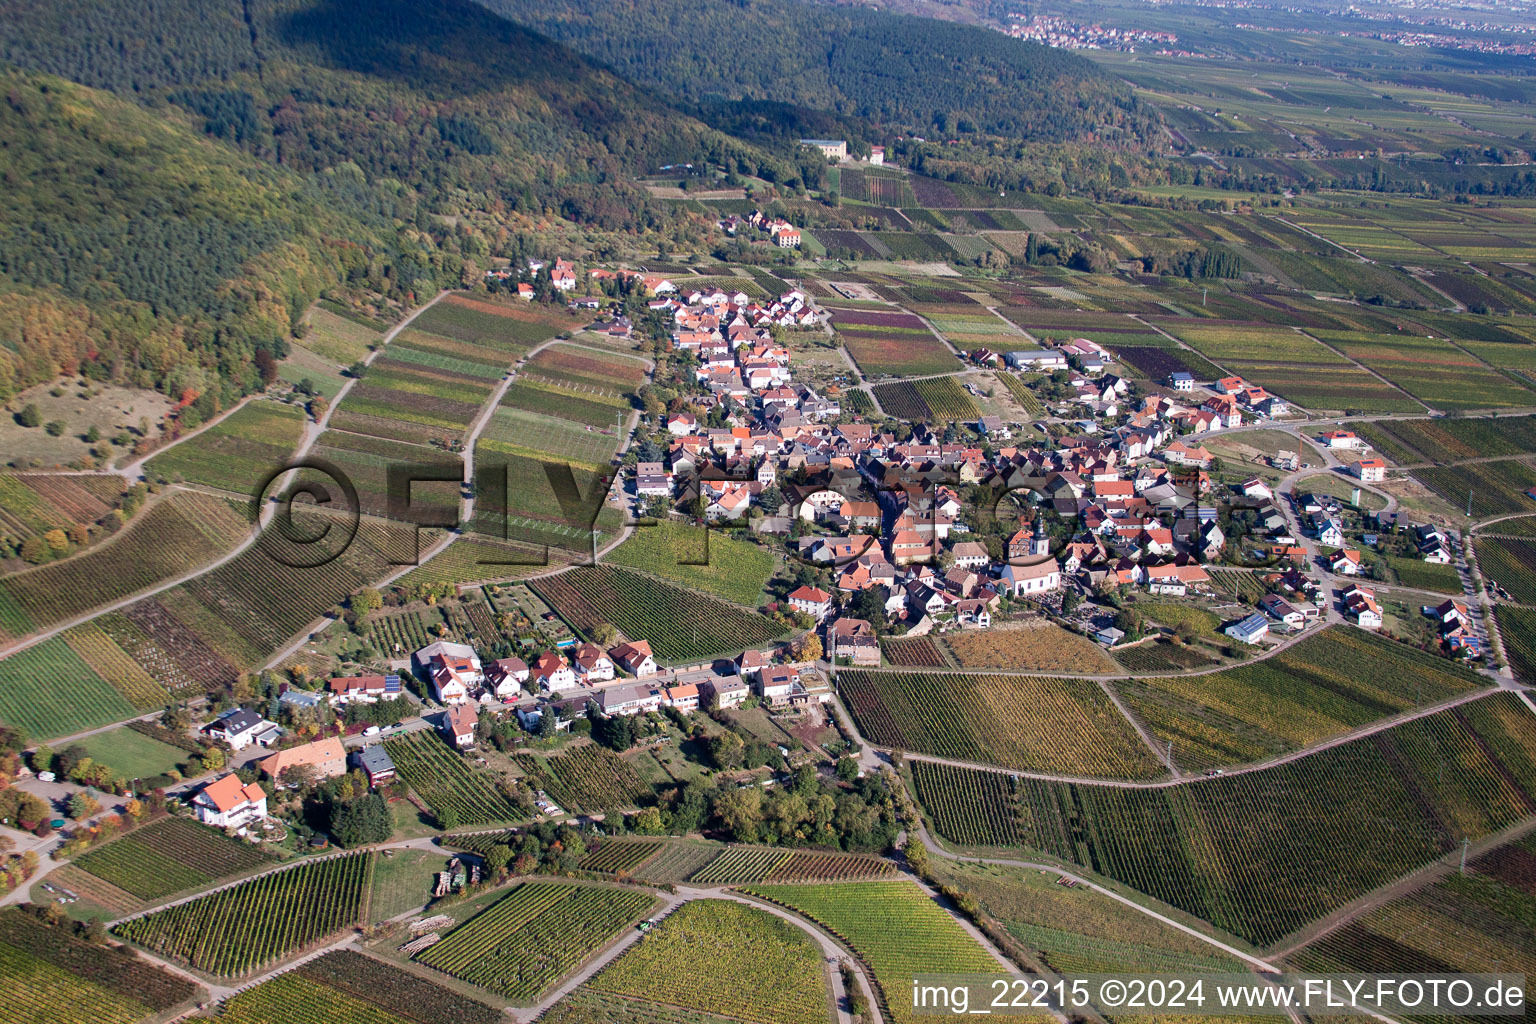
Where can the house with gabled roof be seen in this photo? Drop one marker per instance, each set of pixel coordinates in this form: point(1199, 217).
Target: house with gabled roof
point(229, 803)
point(551, 671)
point(323, 759)
point(459, 725)
point(453, 669)
point(241, 727)
point(504, 678)
point(635, 658)
point(592, 665)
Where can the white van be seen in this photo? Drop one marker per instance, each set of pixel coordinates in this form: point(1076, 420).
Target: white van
point(372, 730)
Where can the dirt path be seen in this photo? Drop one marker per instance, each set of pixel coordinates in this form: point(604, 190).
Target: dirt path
point(467, 504)
point(1183, 779)
point(312, 431)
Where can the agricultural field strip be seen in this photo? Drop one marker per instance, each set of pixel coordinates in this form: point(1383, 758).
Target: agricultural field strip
point(1379, 375)
point(243, 879)
point(303, 448)
point(1317, 748)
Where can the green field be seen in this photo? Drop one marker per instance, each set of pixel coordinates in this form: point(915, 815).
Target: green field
point(709, 560)
point(132, 755)
point(761, 969)
point(49, 691)
point(893, 927)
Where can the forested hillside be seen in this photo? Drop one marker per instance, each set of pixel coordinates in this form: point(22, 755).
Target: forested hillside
point(902, 73)
point(339, 136)
point(218, 163)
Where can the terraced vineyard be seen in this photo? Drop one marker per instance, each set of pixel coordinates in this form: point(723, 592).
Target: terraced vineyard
point(1332, 682)
point(809, 866)
point(681, 625)
point(931, 400)
point(50, 976)
point(475, 560)
point(1517, 629)
point(169, 856)
point(913, 652)
point(448, 782)
point(894, 928)
point(1076, 930)
point(172, 537)
point(237, 453)
point(1511, 564)
point(740, 864)
point(1239, 583)
point(1021, 393)
point(255, 923)
point(1032, 723)
point(1355, 817)
point(393, 990)
point(761, 969)
point(1450, 440)
point(586, 778)
point(620, 857)
point(531, 937)
point(31, 504)
point(1477, 923)
point(1034, 645)
point(1496, 488)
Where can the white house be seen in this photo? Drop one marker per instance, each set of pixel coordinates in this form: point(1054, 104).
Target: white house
point(459, 725)
point(229, 803)
point(727, 693)
point(1037, 359)
point(635, 658)
point(592, 665)
point(813, 601)
point(1345, 563)
point(1370, 471)
point(241, 727)
point(505, 677)
point(777, 685)
point(454, 670)
point(551, 671)
point(1283, 610)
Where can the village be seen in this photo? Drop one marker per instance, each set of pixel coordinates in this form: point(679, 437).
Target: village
point(895, 530)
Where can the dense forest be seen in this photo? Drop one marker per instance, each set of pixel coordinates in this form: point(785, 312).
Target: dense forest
point(230, 161)
point(200, 170)
point(898, 72)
